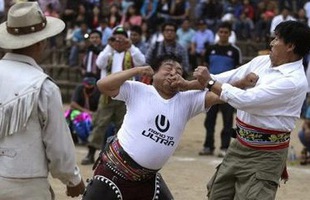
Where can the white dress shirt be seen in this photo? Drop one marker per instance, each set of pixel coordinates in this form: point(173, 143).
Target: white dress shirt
point(276, 100)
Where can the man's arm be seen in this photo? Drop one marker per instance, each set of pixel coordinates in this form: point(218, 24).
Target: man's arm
point(203, 76)
point(111, 84)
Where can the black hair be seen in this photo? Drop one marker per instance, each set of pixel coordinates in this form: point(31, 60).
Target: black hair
point(164, 25)
point(165, 57)
point(295, 33)
point(96, 31)
point(136, 29)
point(225, 24)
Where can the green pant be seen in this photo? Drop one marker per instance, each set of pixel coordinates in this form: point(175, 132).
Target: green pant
point(247, 174)
point(107, 112)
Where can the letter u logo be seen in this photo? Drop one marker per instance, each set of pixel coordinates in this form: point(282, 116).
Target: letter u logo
point(162, 123)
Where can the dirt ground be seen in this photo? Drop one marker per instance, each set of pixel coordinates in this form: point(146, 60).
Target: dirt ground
point(186, 173)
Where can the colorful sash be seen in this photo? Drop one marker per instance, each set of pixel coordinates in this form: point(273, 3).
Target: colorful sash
point(259, 138)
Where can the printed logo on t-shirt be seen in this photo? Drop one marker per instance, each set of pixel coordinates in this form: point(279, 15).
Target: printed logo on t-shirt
point(162, 124)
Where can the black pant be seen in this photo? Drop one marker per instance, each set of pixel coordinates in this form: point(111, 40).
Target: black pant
point(210, 122)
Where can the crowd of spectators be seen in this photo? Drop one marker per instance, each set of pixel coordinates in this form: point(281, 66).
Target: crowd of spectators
point(252, 20)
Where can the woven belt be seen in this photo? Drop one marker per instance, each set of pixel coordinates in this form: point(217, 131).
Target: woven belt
point(259, 138)
point(116, 159)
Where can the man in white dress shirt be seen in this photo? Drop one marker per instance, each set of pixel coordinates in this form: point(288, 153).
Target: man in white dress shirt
point(266, 115)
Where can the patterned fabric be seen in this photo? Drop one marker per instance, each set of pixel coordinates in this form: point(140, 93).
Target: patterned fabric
point(259, 138)
point(116, 159)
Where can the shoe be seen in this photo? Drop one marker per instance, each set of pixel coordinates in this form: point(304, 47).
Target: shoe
point(222, 153)
point(87, 161)
point(206, 152)
point(90, 157)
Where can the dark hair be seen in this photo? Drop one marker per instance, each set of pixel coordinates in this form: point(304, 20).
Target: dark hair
point(164, 25)
point(136, 29)
point(295, 33)
point(96, 31)
point(165, 57)
point(225, 24)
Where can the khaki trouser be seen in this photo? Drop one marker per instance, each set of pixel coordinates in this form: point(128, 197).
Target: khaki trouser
point(107, 112)
point(247, 174)
point(25, 189)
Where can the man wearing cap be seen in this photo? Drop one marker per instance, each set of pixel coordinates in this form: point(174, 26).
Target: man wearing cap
point(117, 56)
point(34, 136)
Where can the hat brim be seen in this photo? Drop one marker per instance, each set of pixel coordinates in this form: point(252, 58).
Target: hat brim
point(10, 41)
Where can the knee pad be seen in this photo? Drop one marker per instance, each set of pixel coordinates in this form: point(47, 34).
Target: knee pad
point(100, 188)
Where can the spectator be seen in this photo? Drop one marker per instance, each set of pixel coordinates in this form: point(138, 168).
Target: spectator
point(148, 12)
point(202, 38)
point(114, 16)
point(163, 11)
point(83, 104)
point(89, 61)
point(132, 17)
point(117, 56)
point(212, 13)
point(168, 46)
point(180, 9)
point(78, 43)
point(283, 16)
point(105, 30)
point(136, 39)
point(220, 57)
point(185, 34)
point(304, 137)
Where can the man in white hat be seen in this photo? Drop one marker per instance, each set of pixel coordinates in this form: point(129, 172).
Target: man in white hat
point(34, 137)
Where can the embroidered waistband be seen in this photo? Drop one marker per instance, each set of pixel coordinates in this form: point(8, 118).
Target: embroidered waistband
point(259, 138)
point(115, 158)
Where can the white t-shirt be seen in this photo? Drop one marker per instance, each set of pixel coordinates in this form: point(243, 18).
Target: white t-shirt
point(153, 126)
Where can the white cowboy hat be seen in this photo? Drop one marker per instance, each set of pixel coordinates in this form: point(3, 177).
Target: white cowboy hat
point(27, 25)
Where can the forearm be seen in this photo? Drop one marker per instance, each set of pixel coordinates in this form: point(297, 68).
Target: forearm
point(111, 84)
point(76, 106)
point(192, 85)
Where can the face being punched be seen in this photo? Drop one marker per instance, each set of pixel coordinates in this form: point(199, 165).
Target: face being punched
point(167, 75)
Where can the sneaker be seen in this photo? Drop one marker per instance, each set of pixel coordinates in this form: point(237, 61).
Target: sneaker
point(222, 153)
point(206, 152)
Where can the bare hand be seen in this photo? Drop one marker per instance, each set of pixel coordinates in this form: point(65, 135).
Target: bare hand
point(202, 74)
point(146, 71)
point(76, 190)
point(178, 82)
point(248, 81)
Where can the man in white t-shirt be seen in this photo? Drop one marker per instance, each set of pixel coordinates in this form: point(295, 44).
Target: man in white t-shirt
point(155, 120)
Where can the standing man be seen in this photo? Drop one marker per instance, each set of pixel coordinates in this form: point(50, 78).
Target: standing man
point(202, 38)
point(136, 38)
point(155, 120)
point(117, 56)
point(266, 115)
point(88, 64)
point(168, 46)
point(220, 57)
point(34, 136)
